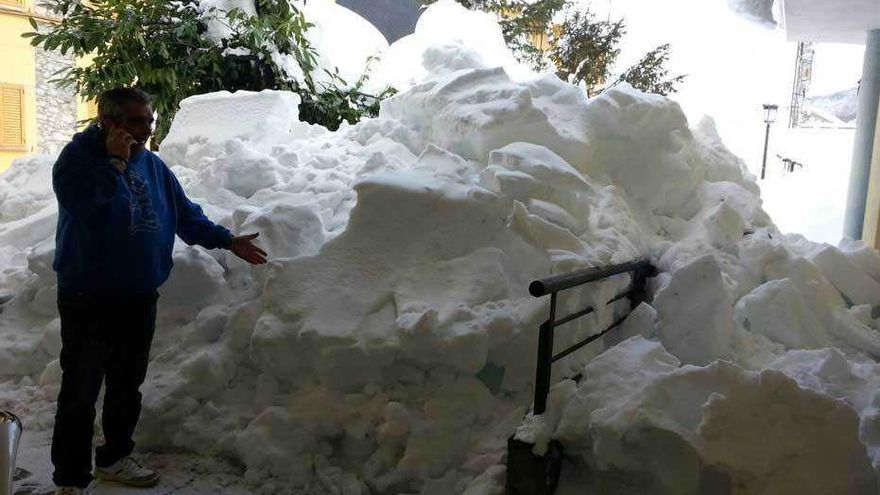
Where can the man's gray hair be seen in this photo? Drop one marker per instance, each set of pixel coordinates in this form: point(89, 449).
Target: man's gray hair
point(110, 102)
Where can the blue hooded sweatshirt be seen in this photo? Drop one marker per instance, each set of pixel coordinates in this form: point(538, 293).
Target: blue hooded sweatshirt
point(116, 230)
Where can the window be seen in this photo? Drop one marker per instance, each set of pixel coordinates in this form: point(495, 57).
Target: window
point(12, 117)
point(14, 3)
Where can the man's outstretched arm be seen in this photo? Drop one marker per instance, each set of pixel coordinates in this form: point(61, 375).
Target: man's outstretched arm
point(194, 227)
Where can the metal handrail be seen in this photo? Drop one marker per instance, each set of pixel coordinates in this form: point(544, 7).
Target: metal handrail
point(641, 270)
point(558, 283)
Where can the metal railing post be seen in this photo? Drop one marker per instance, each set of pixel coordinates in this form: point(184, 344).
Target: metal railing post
point(639, 294)
point(542, 374)
point(545, 360)
point(527, 472)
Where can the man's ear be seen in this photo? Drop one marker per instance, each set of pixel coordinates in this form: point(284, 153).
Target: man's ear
point(107, 123)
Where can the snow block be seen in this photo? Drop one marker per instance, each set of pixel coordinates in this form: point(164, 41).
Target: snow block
point(695, 313)
point(855, 285)
point(694, 430)
point(208, 118)
point(863, 256)
point(779, 311)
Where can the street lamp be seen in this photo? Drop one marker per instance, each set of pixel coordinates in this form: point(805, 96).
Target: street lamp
point(769, 118)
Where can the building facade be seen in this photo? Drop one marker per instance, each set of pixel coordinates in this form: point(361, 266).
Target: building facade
point(35, 115)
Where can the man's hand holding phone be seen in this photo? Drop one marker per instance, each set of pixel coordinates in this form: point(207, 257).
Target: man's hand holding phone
point(119, 142)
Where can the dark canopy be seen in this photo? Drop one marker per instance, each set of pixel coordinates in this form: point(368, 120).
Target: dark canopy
point(394, 18)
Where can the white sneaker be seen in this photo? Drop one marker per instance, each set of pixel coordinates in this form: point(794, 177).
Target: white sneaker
point(68, 490)
point(128, 472)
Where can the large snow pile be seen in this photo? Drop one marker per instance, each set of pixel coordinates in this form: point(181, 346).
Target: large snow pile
point(389, 345)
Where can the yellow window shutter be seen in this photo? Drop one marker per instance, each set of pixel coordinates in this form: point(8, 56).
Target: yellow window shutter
point(92, 109)
point(11, 116)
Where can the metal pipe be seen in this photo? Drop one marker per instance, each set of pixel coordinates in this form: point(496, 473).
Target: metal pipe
point(545, 360)
point(588, 340)
point(766, 142)
point(556, 283)
point(584, 312)
point(640, 268)
point(10, 434)
point(542, 373)
point(572, 316)
point(639, 292)
point(863, 147)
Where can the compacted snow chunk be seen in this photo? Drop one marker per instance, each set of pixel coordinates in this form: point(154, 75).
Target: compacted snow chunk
point(708, 430)
point(695, 313)
point(389, 345)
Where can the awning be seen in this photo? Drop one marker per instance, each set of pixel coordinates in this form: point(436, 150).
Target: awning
point(833, 21)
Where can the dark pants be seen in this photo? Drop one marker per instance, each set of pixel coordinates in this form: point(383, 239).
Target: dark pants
point(104, 339)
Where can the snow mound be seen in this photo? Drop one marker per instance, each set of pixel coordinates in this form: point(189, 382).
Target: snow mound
point(389, 345)
point(333, 29)
point(448, 37)
point(712, 429)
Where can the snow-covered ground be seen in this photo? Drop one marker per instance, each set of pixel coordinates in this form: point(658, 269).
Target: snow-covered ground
point(182, 473)
point(365, 358)
point(812, 199)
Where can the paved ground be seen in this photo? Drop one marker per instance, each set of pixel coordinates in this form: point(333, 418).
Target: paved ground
point(181, 473)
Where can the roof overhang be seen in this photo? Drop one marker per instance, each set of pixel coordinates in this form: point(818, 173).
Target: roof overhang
point(832, 21)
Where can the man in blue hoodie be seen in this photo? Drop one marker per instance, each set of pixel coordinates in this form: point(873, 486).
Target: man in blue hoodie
point(119, 208)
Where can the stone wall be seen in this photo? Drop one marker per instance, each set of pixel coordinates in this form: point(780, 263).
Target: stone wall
point(56, 107)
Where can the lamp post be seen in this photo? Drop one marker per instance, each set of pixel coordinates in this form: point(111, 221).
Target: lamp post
point(769, 118)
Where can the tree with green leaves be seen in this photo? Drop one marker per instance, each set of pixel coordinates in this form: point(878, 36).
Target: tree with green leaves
point(584, 51)
point(523, 23)
point(580, 48)
point(164, 48)
point(650, 74)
